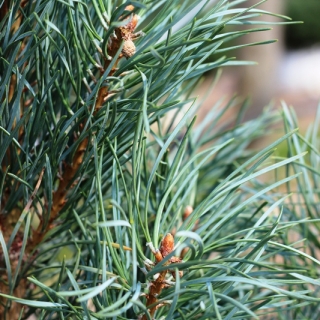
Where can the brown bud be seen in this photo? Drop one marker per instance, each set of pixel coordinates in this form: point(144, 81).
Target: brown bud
point(187, 211)
point(128, 49)
point(133, 19)
point(133, 22)
point(167, 245)
point(130, 7)
point(158, 256)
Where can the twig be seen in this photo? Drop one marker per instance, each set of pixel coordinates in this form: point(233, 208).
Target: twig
point(159, 283)
point(60, 195)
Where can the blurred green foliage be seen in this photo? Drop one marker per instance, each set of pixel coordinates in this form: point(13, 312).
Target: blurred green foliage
point(306, 34)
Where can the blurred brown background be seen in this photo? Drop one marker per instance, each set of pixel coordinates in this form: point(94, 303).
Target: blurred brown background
point(287, 70)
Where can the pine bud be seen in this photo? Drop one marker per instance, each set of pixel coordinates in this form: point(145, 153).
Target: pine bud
point(128, 49)
point(167, 245)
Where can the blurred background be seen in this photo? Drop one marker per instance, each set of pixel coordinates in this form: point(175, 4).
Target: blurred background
point(287, 70)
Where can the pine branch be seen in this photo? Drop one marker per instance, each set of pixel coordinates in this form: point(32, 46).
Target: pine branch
point(123, 33)
point(157, 285)
point(118, 175)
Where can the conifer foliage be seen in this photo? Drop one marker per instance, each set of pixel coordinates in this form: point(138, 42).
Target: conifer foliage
point(109, 212)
